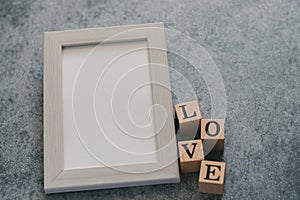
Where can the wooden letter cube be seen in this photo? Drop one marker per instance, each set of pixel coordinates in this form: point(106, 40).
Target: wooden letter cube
point(189, 116)
point(190, 155)
point(211, 178)
point(212, 134)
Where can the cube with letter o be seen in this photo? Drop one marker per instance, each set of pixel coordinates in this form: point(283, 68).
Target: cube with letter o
point(212, 134)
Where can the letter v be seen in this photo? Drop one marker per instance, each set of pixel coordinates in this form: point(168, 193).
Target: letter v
point(185, 146)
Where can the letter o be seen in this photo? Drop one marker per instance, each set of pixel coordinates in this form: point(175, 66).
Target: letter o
point(217, 127)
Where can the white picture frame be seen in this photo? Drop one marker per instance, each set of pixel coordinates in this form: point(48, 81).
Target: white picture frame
point(60, 178)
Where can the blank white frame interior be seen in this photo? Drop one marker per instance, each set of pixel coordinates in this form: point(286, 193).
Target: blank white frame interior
point(96, 83)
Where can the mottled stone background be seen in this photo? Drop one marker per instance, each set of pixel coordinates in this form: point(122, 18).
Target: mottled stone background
point(255, 45)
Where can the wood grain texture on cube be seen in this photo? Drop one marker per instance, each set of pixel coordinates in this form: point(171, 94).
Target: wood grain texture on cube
point(211, 178)
point(191, 154)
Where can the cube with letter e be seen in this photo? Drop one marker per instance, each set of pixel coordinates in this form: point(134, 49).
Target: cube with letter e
point(211, 178)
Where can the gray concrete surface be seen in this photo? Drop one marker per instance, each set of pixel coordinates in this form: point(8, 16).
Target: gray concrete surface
point(255, 45)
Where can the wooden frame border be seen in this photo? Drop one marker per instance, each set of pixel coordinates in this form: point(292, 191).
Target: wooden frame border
point(56, 178)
